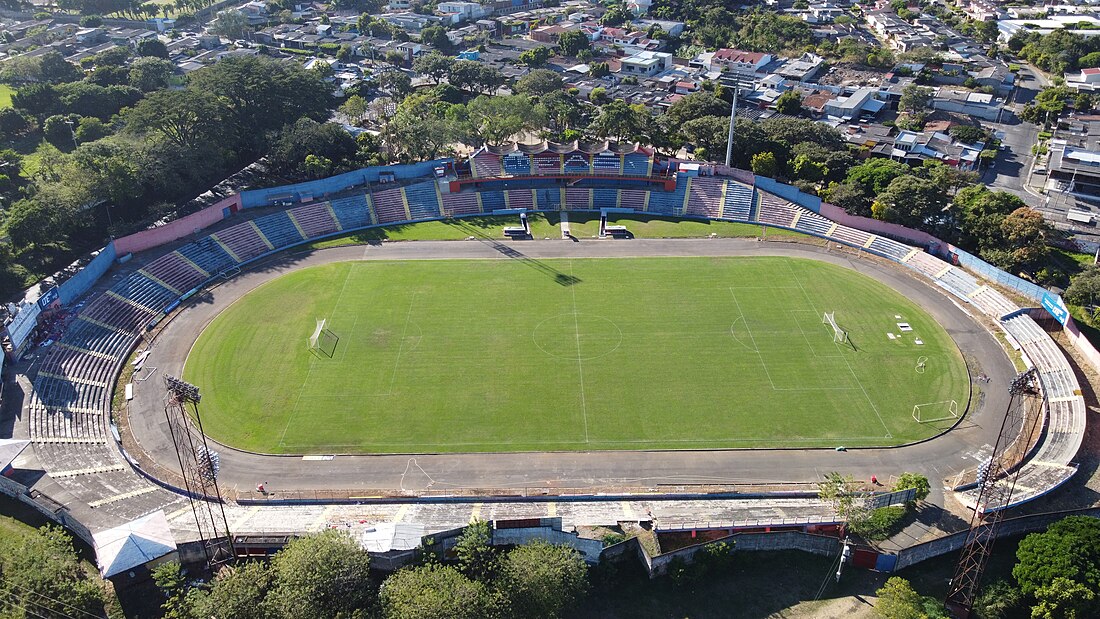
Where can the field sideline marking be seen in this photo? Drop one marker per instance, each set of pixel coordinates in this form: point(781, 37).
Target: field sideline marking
point(851, 371)
point(580, 361)
point(312, 362)
point(401, 346)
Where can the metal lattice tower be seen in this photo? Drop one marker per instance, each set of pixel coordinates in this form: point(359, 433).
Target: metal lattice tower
point(996, 480)
point(199, 466)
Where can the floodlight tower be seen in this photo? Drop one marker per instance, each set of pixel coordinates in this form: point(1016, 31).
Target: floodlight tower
point(199, 466)
point(996, 483)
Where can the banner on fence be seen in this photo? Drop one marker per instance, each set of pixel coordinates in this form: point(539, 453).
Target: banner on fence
point(1053, 304)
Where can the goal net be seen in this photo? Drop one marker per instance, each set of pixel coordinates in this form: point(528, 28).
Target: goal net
point(323, 341)
point(839, 335)
point(936, 411)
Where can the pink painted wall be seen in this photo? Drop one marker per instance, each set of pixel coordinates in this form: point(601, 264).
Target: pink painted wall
point(146, 239)
point(1083, 346)
point(867, 224)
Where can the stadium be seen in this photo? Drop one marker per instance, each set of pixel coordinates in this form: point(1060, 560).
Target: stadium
point(598, 362)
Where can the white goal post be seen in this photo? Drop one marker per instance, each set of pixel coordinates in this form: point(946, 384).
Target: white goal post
point(839, 335)
point(323, 341)
point(936, 411)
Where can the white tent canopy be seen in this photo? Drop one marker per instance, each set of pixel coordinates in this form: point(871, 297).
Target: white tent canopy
point(133, 544)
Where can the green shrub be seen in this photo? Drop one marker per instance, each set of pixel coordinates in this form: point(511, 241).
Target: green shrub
point(882, 523)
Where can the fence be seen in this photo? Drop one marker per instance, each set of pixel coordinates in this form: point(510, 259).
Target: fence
point(789, 193)
point(981, 267)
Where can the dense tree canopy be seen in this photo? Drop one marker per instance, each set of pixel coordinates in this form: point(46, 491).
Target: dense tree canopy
point(42, 577)
point(1061, 568)
point(543, 580)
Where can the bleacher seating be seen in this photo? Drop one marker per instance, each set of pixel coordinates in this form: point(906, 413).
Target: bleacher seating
point(959, 282)
point(889, 248)
point(669, 202)
point(548, 199)
point(389, 205)
point(992, 302)
point(738, 201)
point(315, 220)
point(635, 164)
point(207, 255)
point(115, 312)
point(705, 197)
point(517, 163)
point(546, 163)
point(605, 198)
point(633, 199)
point(352, 211)
point(243, 240)
point(577, 199)
point(520, 198)
point(492, 201)
point(851, 236)
point(144, 291)
point(926, 263)
point(174, 271)
point(774, 210)
point(813, 223)
point(458, 204)
point(486, 164)
point(423, 200)
point(278, 229)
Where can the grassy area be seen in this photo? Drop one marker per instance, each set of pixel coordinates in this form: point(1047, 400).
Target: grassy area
point(487, 355)
point(548, 226)
point(5, 95)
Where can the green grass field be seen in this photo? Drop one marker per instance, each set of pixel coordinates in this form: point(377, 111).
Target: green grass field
point(506, 355)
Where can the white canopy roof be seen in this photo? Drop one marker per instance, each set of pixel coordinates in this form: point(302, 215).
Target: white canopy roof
point(133, 544)
point(10, 448)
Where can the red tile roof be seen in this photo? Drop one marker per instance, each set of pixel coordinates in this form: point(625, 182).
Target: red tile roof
point(736, 55)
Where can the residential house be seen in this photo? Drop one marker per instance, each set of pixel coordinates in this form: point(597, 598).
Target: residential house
point(646, 64)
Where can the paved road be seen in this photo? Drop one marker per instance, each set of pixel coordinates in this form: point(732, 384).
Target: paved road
point(939, 459)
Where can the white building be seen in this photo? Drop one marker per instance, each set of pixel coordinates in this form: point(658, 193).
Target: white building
point(646, 64)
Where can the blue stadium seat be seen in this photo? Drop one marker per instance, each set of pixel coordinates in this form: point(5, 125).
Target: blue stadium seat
point(278, 229)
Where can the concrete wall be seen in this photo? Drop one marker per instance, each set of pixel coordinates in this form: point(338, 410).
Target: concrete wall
point(55, 512)
point(590, 549)
point(174, 230)
point(788, 192)
point(867, 224)
point(313, 190)
point(80, 283)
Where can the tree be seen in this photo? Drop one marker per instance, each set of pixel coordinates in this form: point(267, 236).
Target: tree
point(597, 70)
point(543, 580)
point(396, 83)
point(1026, 231)
point(806, 168)
point(239, 592)
point(152, 47)
point(535, 57)
point(696, 105)
point(622, 121)
point(56, 70)
point(321, 576)
point(14, 123)
point(1061, 567)
point(186, 118)
point(573, 42)
point(495, 119)
point(435, 36)
point(419, 129)
point(354, 108)
point(911, 201)
point(435, 592)
point(109, 75)
point(874, 175)
point(58, 130)
point(851, 197)
point(968, 133)
point(1084, 288)
point(898, 600)
point(149, 74)
point(230, 23)
point(42, 576)
point(434, 65)
point(329, 143)
point(915, 99)
point(914, 480)
point(90, 129)
point(765, 164)
point(709, 134)
point(998, 600)
point(790, 103)
point(476, 557)
point(36, 99)
point(842, 493)
point(539, 82)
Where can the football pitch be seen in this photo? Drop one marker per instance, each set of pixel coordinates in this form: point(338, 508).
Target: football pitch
point(583, 354)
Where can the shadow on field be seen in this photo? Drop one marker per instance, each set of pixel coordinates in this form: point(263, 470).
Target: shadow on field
point(560, 278)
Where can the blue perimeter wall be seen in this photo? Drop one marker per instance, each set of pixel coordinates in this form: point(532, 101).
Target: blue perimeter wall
point(80, 283)
point(313, 190)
